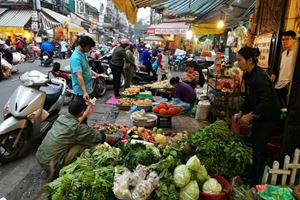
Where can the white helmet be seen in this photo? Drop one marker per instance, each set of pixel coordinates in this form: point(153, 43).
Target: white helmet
point(148, 46)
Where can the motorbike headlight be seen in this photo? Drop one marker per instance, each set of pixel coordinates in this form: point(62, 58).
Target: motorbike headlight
point(6, 110)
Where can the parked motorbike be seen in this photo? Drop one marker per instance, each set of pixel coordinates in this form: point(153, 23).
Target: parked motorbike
point(64, 73)
point(46, 59)
point(99, 85)
point(140, 76)
point(29, 113)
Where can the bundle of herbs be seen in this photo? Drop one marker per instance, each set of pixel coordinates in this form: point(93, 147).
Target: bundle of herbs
point(138, 153)
point(220, 150)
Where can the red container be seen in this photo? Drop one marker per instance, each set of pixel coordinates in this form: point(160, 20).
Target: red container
point(226, 189)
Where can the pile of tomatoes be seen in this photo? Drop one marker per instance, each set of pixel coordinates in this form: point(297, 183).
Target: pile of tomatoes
point(166, 109)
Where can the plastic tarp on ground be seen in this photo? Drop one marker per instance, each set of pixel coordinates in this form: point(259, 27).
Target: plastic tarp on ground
point(128, 8)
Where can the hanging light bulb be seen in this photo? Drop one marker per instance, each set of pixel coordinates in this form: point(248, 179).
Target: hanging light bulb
point(189, 34)
point(220, 24)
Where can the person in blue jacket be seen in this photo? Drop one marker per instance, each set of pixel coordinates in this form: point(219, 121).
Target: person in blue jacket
point(47, 46)
point(146, 57)
point(140, 48)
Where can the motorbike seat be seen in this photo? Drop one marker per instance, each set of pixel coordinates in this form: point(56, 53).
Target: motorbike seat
point(52, 94)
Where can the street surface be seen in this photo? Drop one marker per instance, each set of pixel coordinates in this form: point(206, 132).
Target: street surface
point(23, 178)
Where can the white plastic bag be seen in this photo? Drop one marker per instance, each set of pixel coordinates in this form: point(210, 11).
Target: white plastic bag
point(121, 186)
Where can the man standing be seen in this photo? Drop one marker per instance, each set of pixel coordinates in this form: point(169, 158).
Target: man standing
point(63, 48)
point(140, 48)
point(147, 58)
point(80, 69)
point(287, 63)
point(117, 64)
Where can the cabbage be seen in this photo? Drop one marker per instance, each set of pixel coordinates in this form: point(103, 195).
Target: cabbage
point(212, 186)
point(193, 163)
point(182, 176)
point(202, 174)
point(190, 191)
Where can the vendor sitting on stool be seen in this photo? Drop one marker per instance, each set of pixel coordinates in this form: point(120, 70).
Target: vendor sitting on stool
point(68, 138)
point(183, 93)
point(191, 76)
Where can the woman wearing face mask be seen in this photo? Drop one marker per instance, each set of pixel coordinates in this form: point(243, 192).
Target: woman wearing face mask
point(260, 108)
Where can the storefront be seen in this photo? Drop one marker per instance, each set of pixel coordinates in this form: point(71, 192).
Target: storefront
point(65, 29)
point(16, 23)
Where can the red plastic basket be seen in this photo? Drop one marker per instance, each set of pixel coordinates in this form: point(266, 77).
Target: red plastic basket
point(226, 189)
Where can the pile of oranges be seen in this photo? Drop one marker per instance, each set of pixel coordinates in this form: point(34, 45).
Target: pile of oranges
point(166, 109)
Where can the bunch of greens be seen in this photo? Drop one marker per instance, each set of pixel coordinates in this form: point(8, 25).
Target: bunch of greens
point(91, 176)
point(219, 150)
point(138, 153)
point(165, 168)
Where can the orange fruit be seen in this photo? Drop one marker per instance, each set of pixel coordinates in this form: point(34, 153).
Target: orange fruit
point(163, 105)
point(163, 111)
point(155, 109)
point(177, 110)
point(171, 105)
point(171, 111)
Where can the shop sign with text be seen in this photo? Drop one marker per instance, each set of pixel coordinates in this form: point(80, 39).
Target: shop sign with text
point(263, 42)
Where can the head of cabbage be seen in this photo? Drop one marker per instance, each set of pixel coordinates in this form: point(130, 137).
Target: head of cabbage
point(193, 163)
point(182, 176)
point(190, 191)
point(212, 186)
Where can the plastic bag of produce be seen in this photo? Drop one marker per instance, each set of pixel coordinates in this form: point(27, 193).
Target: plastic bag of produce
point(190, 191)
point(212, 186)
point(143, 190)
point(193, 163)
point(202, 174)
point(121, 185)
point(138, 175)
point(182, 176)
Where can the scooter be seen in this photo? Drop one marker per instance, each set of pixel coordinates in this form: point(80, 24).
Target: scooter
point(29, 113)
point(46, 60)
point(99, 84)
point(140, 76)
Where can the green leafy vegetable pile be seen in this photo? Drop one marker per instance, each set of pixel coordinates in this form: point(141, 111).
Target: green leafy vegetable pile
point(165, 168)
point(220, 150)
point(91, 176)
point(134, 154)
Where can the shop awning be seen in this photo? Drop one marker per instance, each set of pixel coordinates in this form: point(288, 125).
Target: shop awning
point(64, 20)
point(154, 38)
point(15, 18)
point(168, 28)
point(205, 29)
point(129, 8)
point(2, 10)
point(74, 28)
point(48, 24)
